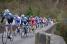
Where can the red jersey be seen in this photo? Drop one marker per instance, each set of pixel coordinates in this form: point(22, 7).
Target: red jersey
point(32, 21)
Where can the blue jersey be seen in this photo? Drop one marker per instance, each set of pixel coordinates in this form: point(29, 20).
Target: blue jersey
point(24, 20)
point(17, 20)
point(9, 17)
point(37, 19)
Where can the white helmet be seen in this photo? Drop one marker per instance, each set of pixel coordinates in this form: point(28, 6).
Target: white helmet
point(7, 10)
point(22, 15)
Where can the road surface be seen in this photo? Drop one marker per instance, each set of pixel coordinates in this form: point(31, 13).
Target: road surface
point(30, 39)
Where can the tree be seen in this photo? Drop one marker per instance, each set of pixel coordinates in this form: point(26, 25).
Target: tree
point(29, 12)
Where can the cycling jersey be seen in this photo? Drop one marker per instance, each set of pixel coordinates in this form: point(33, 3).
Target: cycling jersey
point(32, 21)
point(17, 20)
point(24, 20)
point(8, 16)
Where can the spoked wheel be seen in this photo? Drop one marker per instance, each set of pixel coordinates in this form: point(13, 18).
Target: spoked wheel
point(21, 33)
point(6, 38)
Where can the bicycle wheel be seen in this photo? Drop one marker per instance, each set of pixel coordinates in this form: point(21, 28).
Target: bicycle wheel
point(4, 38)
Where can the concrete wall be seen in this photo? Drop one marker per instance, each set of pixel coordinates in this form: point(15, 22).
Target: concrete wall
point(41, 38)
point(47, 36)
point(51, 29)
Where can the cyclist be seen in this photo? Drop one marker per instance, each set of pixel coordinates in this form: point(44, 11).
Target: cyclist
point(9, 19)
point(8, 16)
point(33, 23)
point(37, 21)
point(24, 23)
point(17, 22)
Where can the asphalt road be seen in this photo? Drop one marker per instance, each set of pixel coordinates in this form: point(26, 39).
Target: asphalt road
point(30, 39)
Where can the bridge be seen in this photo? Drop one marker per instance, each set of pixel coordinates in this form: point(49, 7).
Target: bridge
point(40, 36)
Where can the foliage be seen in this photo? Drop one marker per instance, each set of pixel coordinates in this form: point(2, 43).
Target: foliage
point(29, 12)
point(61, 30)
point(58, 28)
point(65, 35)
point(6, 0)
point(61, 27)
point(38, 12)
